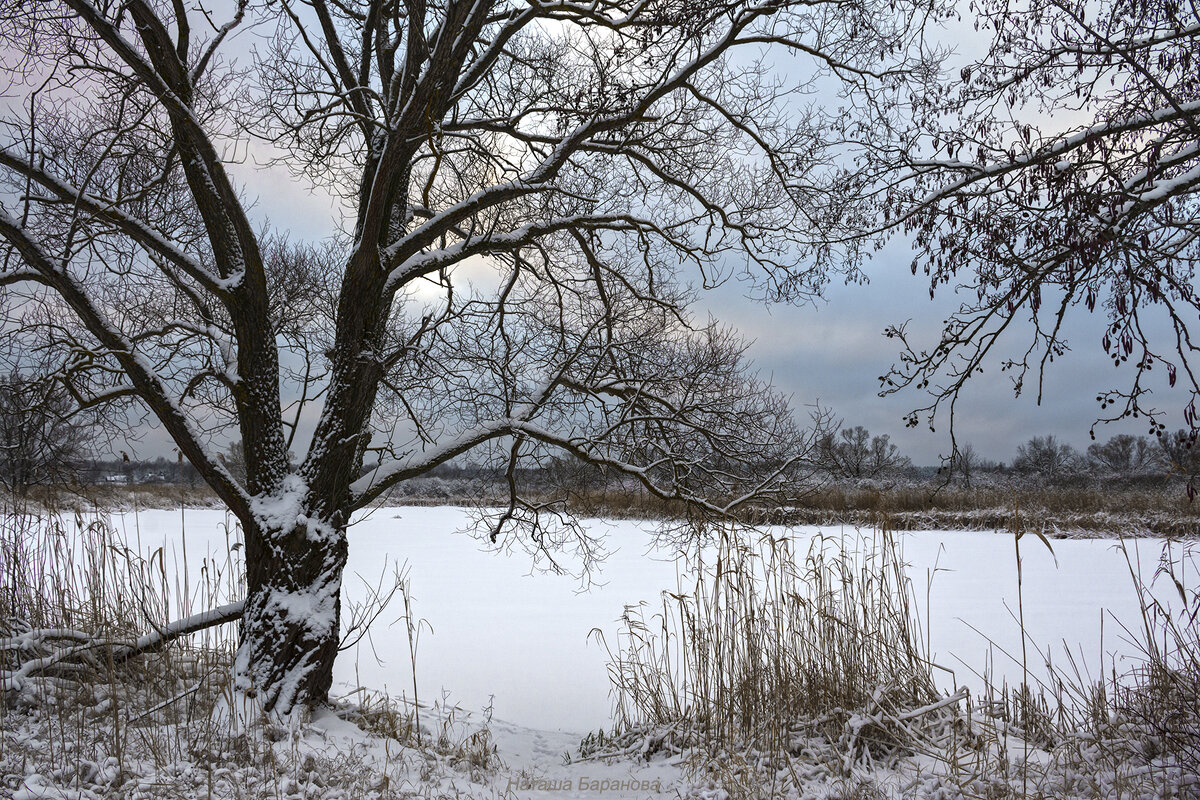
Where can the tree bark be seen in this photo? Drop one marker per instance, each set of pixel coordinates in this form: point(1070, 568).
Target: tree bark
point(289, 629)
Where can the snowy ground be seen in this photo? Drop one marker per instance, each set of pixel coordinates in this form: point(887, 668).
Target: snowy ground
point(498, 635)
point(506, 656)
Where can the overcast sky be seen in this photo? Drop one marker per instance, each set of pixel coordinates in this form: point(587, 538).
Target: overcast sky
point(836, 351)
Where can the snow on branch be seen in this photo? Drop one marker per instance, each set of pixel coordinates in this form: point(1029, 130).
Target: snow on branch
point(64, 651)
point(112, 213)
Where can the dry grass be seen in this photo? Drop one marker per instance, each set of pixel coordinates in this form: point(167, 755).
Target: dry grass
point(1155, 509)
point(766, 654)
point(114, 497)
point(472, 752)
point(1132, 733)
point(1080, 507)
point(71, 579)
point(769, 672)
point(772, 672)
point(158, 726)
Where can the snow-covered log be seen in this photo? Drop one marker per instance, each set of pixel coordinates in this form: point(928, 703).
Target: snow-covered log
point(41, 651)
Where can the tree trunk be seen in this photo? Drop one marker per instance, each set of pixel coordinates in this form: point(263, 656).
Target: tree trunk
point(289, 628)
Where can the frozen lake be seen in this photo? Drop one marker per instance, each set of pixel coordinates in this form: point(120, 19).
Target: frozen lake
point(501, 635)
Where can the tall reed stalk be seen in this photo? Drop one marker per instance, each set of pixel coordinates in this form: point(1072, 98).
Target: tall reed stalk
point(766, 630)
point(68, 576)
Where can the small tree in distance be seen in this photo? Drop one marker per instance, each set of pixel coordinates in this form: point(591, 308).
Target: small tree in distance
point(1181, 453)
point(234, 459)
point(854, 453)
point(1047, 458)
point(1126, 455)
point(965, 462)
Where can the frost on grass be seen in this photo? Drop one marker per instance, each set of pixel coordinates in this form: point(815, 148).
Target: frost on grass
point(160, 726)
point(959, 748)
point(780, 676)
point(111, 736)
point(168, 723)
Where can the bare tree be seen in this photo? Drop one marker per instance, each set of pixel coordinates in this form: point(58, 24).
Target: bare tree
point(1126, 455)
point(1046, 457)
point(885, 457)
point(40, 443)
point(1056, 174)
point(854, 453)
point(964, 462)
point(579, 160)
point(1182, 456)
point(234, 460)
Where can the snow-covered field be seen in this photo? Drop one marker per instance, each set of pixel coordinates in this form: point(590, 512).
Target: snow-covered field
point(506, 659)
point(498, 635)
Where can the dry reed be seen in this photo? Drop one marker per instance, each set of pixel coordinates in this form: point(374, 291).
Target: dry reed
point(761, 637)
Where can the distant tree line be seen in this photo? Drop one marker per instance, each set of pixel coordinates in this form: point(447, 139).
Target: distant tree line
point(41, 443)
point(849, 453)
point(1122, 456)
point(853, 453)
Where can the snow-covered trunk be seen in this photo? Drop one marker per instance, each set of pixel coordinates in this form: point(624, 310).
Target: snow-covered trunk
point(289, 628)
